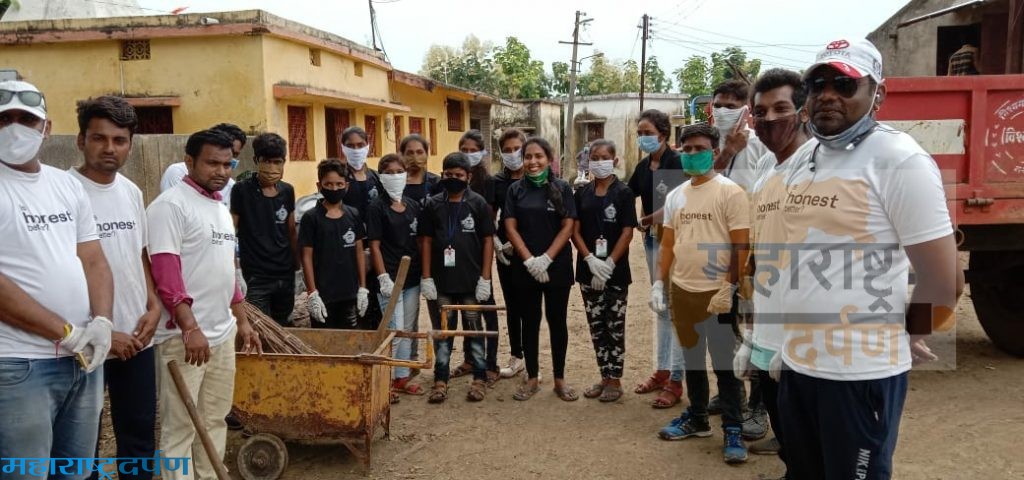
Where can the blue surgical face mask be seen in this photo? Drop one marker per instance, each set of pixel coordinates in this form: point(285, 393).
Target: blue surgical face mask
point(697, 164)
point(649, 143)
point(234, 163)
point(847, 139)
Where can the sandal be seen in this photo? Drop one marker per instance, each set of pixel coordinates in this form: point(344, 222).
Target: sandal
point(594, 391)
point(477, 390)
point(655, 382)
point(610, 394)
point(439, 393)
point(405, 385)
point(525, 392)
point(462, 370)
point(567, 394)
point(492, 378)
point(394, 397)
point(670, 396)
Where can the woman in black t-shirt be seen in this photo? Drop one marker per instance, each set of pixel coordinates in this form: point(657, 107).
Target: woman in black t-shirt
point(511, 272)
point(363, 188)
point(607, 217)
point(420, 183)
point(539, 214)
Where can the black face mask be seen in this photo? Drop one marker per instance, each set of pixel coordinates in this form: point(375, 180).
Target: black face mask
point(453, 185)
point(333, 196)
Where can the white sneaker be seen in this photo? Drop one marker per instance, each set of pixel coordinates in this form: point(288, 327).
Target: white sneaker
point(515, 365)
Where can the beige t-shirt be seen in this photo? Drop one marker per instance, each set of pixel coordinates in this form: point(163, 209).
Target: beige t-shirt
point(701, 218)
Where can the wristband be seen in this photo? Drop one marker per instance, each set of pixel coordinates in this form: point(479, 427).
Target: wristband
point(185, 334)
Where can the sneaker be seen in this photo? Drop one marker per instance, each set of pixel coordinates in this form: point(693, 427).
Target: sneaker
point(768, 446)
point(755, 425)
point(515, 365)
point(734, 451)
point(715, 406)
point(685, 426)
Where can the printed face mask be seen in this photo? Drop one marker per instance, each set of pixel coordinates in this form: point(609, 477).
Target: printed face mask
point(19, 144)
point(394, 184)
point(356, 157)
point(697, 164)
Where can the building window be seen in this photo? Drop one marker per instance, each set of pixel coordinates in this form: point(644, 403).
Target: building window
point(298, 133)
point(314, 57)
point(359, 69)
point(372, 123)
point(153, 120)
point(399, 133)
point(433, 136)
point(337, 121)
point(595, 131)
point(454, 115)
point(135, 50)
point(416, 125)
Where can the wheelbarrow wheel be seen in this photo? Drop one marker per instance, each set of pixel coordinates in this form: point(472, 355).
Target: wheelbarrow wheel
point(262, 457)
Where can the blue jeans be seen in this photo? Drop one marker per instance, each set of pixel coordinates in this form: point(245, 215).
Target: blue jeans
point(407, 311)
point(50, 410)
point(443, 347)
point(668, 353)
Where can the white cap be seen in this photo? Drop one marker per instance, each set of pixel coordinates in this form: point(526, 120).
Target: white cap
point(856, 58)
point(16, 104)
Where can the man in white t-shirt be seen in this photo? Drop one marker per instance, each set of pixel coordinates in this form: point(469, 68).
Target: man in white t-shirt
point(740, 150)
point(56, 295)
point(703, 245)
point(192, 248)
point(861, 207)
point(106, 126)
point(176, 172)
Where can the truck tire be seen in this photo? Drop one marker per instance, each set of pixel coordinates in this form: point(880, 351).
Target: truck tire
point(998, 296)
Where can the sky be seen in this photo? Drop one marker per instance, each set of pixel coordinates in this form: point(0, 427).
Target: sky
point(783, 33)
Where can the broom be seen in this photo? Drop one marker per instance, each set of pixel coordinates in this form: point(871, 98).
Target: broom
point(274, 337)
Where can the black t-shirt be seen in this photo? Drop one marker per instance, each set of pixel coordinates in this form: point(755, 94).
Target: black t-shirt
point(485, 189)
point(605, 216)
point(502, 181)
point(653, 187)
point(539, 222)
point(463, 225)
point(334, 251)
point(361, 193)
point(264, 245)
point(419, 192)
point(397, 235)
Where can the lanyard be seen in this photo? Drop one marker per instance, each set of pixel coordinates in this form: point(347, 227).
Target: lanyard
point(605, 200)
point(454, 222)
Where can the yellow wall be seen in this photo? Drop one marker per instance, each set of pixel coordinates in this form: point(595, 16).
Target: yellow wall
point(431, 105)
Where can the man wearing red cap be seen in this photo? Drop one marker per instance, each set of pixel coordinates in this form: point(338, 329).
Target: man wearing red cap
point(863, 206)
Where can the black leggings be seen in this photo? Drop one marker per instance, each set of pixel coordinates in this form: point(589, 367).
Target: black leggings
point(556, 305)
point(511, 290)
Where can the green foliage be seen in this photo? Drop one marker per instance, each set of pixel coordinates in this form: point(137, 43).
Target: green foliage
point(700, 75)
point(694, 76)
point(656, 81)
point(519, 76)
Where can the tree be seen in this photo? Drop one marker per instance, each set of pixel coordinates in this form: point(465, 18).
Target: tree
point(630, 76)
point(603, 77)
point(558, 82)
point(469, 66)
point(656, 81)
point(694, 77)
point(722, 64)
point(519, 76)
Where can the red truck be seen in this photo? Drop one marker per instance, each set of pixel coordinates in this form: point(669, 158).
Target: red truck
point(974, 128)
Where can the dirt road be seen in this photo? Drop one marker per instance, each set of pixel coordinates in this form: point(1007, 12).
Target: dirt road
point(957, 424)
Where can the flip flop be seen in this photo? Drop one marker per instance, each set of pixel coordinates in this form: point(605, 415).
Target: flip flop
point(610, 394)
point(438, 394)
point(595, 391)
point(567, 394)
point(525, 392)
point(461, 370)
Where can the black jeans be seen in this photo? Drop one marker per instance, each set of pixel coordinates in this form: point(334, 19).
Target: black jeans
point(512, 292)
point(131, 386)
point(340, 315)
point(274, 296)
point(490, 343)
point(556, 305)
point(770, 396)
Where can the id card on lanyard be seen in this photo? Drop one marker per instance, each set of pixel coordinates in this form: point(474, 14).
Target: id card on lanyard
point(453, 225)
point(601, 244)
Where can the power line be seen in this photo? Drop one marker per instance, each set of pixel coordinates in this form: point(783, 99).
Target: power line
point(690, 38)
point(788, 46)
point(690, 45)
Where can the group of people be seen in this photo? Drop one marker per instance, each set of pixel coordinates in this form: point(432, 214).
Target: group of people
point(764, 245)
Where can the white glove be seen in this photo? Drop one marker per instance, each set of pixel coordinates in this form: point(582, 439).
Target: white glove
point(598, 267)
point(316, 307)
point(362, 300)
point(658, 296)
point(722, 301)
point(596, 283)
point(92, 339)
point(428, 289)
point(240, 280)
point(386, 285)
point(499, 252)
point(775, 367)
point(741, 362)
point(483, 290)
point(538, 265)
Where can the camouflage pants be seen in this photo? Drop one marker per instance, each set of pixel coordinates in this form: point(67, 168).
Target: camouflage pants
point(606, 314)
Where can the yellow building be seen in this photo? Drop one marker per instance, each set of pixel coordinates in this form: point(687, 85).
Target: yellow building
point(259, 71)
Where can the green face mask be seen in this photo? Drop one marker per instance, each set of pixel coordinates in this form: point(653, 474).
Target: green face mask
point(538, 179)
point(695, 164)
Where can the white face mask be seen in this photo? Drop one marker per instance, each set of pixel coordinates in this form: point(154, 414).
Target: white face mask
point(513, 161)
point(19, 144)
point(726, 118)
point(602, 168)
point(394, 184)
point(356, 157)
point(476, 157)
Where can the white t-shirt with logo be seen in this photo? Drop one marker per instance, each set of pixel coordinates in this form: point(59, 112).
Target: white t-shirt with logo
point(43, 217)
point(199, 229)
point(848, 222)
point(176, 172)
point(121, 224)
point(744, 166)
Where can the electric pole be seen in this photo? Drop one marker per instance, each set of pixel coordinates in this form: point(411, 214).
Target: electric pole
point(373, 25)
point(643, 58)
point(570, 127)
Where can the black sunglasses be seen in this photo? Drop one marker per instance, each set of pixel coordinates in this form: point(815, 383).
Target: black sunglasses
point(28, 98)
point(843, 85)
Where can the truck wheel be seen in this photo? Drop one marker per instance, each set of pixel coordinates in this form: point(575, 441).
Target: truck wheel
point(262, 457)
point(998, 297)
